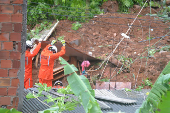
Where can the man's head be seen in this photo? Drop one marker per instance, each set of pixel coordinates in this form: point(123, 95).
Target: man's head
point(29, 45)
point(53, 49)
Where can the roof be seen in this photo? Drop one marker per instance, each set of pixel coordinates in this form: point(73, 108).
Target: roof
point(132, 101)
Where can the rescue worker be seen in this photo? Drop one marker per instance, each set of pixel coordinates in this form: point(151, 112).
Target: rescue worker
point(58, 84)
point(48, 56)
point(28, 82)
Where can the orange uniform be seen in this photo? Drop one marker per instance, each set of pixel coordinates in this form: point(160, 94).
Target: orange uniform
point(28, 66)
point(47, 64)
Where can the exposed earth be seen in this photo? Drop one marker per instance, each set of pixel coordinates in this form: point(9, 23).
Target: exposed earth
point(102, 34)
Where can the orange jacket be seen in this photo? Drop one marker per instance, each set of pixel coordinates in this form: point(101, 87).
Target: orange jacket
point(47, 62)
point(28, 60)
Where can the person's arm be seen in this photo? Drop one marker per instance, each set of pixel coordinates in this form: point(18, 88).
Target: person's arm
point(61, 53)
point(36, 50)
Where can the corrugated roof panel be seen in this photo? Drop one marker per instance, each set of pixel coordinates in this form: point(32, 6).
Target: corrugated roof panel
point(33, 105)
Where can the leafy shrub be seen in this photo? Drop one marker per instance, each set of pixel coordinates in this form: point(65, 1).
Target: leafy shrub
point(75, 10)
point(76, 26)
point(124, 5)
point(12, 110)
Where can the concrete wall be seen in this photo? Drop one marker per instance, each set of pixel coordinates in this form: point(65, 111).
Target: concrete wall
point(12, 47)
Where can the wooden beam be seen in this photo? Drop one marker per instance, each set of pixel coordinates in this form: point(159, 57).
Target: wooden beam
point(51, 31)
point(73, 60)
point(36, 60)
point(65, 57)
point(58, 77)
point(58, 72)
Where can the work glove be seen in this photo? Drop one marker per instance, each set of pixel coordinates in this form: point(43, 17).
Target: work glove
point(53, 42)
point(63, 42)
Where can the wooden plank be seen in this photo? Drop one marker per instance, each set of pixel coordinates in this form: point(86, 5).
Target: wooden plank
point(51, 31)
point(36, 60)
point(58, 68)
point(58, 77)
point(58, 72)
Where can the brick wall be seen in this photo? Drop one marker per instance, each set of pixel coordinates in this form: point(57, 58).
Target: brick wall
point(12, 41)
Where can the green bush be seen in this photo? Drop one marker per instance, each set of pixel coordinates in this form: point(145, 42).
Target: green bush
point(75, 10)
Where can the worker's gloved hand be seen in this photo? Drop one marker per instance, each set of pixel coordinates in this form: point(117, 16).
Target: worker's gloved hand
point(36, 42)
point(63, 42)
point(53, 42)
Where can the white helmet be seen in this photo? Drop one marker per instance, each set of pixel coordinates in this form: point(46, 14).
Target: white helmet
point(29, 44)
point(53, 48)
point(58, 83)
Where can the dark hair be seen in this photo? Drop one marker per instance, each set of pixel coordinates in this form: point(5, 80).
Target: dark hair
point(28, 47)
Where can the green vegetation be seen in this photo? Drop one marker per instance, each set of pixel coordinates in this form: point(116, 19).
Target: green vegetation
point(12, 110)
point(105, 80)
point(139, 88)
point(76, 26)
point(81, 88)
point(148, 82)
point(78, 85)
point(35, 33)
point(125, 61)
point(164, 12)
point(75, 10)
point(159, 96)
point(58, 103)
point(152, 52)
point(60, 38)
point(154, 4)
point(124, 5)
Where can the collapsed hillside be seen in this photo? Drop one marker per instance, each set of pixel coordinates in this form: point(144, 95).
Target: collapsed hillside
point(143, 56)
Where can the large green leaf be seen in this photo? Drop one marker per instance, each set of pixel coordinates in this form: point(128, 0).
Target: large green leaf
point(86, 82)
point(71, 70)
point(12, 110)
point(163, 106)
point(81, 88)
point(62, 61)
point(166, 70)
point(86, 100)
point(73, 82)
